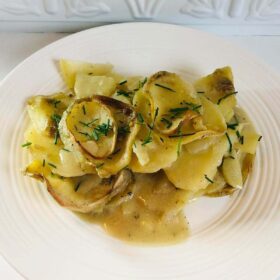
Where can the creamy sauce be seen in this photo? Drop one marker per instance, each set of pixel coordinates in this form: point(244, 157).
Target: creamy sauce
point(153, 214)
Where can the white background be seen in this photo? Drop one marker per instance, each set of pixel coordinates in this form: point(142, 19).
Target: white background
point(15, 47)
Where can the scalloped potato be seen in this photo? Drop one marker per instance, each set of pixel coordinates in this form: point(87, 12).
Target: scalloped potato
point(129, 152)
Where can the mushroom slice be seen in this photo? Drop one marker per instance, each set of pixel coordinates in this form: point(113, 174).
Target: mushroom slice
point(89, 124)
point(219, 88)
point(171, 98)
point(70, 68)
point(85, 194)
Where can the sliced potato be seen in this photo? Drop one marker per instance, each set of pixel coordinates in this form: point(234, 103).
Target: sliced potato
point(189, 171)
point(42, 110)
point(128, 128)
point(171, 99)
point(232, 172)
point(47, 152)
point(88, 193)
point(70, 68)
point(212, 116)
point(219, 88)
point(93, 126)
point(88, 85)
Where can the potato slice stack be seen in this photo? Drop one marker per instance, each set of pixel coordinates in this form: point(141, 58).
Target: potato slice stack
point(87, 142)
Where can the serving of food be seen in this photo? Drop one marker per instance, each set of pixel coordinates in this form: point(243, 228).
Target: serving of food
point(129, 152)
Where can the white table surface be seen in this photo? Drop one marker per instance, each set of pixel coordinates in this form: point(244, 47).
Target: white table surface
point(15, 47)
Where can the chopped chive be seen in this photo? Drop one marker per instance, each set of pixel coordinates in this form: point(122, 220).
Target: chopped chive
point(51, 164)
point(140, 118)
point(78, 186)
point(167, 122)
point(84, 110)
point(44, 162)
point(56, 136)
point(232, 125)
point(123, 82)
point(181, 135)
point(201, 92)
point(226, 96)
point(164, 87)
point(231, 157)
point(141, 84)
point(238, 134)
point(229, 141)
point(179, 110)
point(55, 102)
point(26, 144)
point(99, 165)
point(66, 150)
point(124, 129)
point(242, 140)
point(161, 139)
point(147, 140)
point(95, 135)
point(259, 139)
point(124, 93)
point(208, 179)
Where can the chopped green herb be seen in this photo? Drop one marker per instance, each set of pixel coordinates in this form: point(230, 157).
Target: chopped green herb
point(241, 140)
point(123, 82)
point(226, 96)
point(56, 118)
point(78, 186)
point(193, 106)
point(51, 164)
point(44, 162)
point(200, 92)
point(89, 123)
point(124, 93)
point(148, 139)
point(161, 139)
point(229, 142)
point(99, 165)
point(56, 102)
point(26, 144)
point(181, 135)
point(167, 122)
point(208, 179)
point(124, 129)
point(56, 136)
point(231, 157)
point(140, 118)
point(84, 110)
point(95, 135)
point(238, 134)
point(142, 83)
point(164, 87)
point(259, 139)
point(66, 150)
point(232, 125)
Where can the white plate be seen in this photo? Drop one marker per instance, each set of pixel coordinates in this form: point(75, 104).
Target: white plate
point(232, 238)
